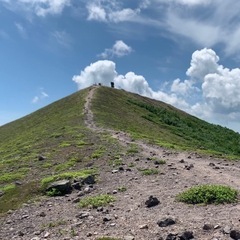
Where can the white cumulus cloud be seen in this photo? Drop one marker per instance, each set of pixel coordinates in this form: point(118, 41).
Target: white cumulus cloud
point(203, 62)
point(99, 72)
point(119, 49)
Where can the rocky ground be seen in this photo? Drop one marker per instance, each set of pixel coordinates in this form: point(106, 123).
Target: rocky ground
point(129, 218)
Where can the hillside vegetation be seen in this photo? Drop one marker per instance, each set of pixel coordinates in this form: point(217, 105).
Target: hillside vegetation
point(58, 134)
point(162, 124)
point(55, 140)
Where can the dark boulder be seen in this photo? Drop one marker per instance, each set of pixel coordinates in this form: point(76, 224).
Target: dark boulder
point(235, 234)
point(41, 158)
point(186, 235)
point(89, 180)
point(60, 187)
point(151, 202)
point(166, 222)
point(171, 236)
point(77, 185)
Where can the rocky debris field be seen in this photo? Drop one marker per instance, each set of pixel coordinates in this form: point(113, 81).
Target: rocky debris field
point(145, 205)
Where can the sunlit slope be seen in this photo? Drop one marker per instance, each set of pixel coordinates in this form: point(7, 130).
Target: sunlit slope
point(58, 134)
point(161, 123)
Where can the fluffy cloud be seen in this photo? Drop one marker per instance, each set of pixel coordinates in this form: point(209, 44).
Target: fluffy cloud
point(182, 88)
point(222, 90)
point(112, 11)
point(119, 49)
point(99, 72)
point(203, 62)
point(134, 83)
point(219, 87)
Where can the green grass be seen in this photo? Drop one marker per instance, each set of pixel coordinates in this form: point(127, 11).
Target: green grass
point(98, 153)
point(133, 149)
point(208, 194)
point(149, 171)
point(55, 224)
point(131, 165)
point(162, 124)
point(57, 132)
point(8, 187)
point(96, 201)
point(160, 161)
point(16, 195)
point(10, 177)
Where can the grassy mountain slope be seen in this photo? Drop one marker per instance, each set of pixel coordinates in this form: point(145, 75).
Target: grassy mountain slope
point(162, 124)
point(58, 133)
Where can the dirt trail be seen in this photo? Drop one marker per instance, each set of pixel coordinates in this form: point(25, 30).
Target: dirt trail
point(227, 174)
point(128, 218)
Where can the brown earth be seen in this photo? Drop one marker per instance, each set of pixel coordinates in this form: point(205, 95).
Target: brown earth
point(58, 217)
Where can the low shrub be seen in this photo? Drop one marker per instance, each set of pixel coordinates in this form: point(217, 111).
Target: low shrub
point(96, 201)
point(208, 194)
point(149, 171)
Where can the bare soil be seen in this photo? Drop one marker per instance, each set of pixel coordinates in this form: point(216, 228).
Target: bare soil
point(58, 217)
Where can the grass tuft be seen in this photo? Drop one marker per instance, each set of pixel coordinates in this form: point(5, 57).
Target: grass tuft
point(149, 171)
point(208, 194)
point(96, 201)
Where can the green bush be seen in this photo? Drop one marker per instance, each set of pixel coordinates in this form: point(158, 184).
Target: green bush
point(149, 171)
point(96, 201)
point(53, 192)
point(208, 194)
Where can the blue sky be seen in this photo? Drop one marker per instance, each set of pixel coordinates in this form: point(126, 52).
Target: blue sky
point(183, 52)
